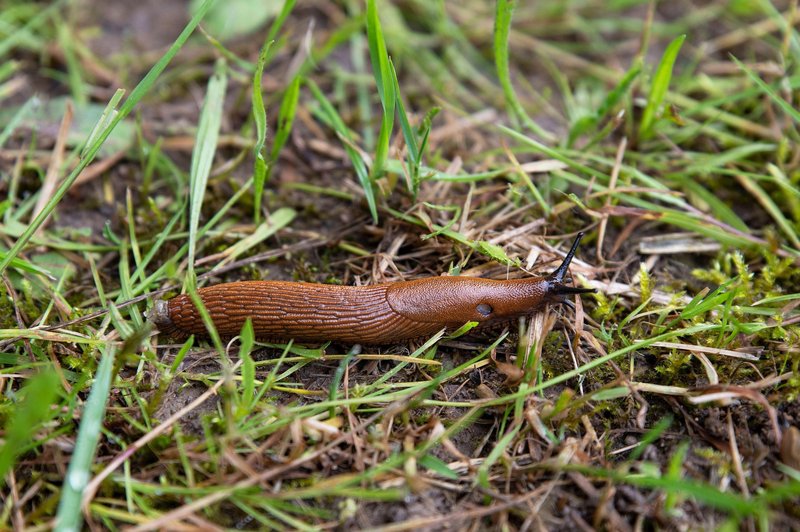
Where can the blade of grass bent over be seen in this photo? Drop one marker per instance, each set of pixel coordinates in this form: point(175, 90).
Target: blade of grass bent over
point(276, 221)
point(502, 28)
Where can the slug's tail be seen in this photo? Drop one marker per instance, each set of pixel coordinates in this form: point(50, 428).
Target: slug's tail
point(558, 277)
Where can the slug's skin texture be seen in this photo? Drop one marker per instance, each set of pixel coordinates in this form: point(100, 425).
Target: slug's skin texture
point(379, 314)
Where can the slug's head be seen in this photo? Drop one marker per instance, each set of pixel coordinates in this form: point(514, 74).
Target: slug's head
point(557, 290)
point(453, 301)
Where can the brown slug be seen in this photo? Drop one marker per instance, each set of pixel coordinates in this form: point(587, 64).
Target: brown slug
point(373, 315)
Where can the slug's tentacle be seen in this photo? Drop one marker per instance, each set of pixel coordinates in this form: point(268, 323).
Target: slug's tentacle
point(560, 272)
point(558, 277)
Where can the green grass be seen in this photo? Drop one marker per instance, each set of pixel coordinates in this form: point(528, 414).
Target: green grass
point(204, 150)
point(389, 141)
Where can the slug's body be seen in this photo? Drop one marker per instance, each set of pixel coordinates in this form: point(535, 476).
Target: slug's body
point(378, 314)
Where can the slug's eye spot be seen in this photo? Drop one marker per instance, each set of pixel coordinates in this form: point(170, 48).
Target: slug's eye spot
point(484, 309)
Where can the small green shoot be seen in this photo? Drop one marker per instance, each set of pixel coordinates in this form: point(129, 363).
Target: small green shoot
point(659, 87)
point(384, 79)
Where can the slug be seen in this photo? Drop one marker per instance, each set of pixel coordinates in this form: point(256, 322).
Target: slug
point(373, 315)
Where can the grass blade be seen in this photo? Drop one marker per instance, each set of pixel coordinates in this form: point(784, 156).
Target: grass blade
point(769, 91)
point(336, 122)
point(286, 115)
point(416, 141)
point(204, 150)
point(260, 118)
point(276, 221)
point(247, 398)
point(768, 204)
point(24, 265)
point(384, 80)
point(502, 28)
point(70, 516)
point(659, 87)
